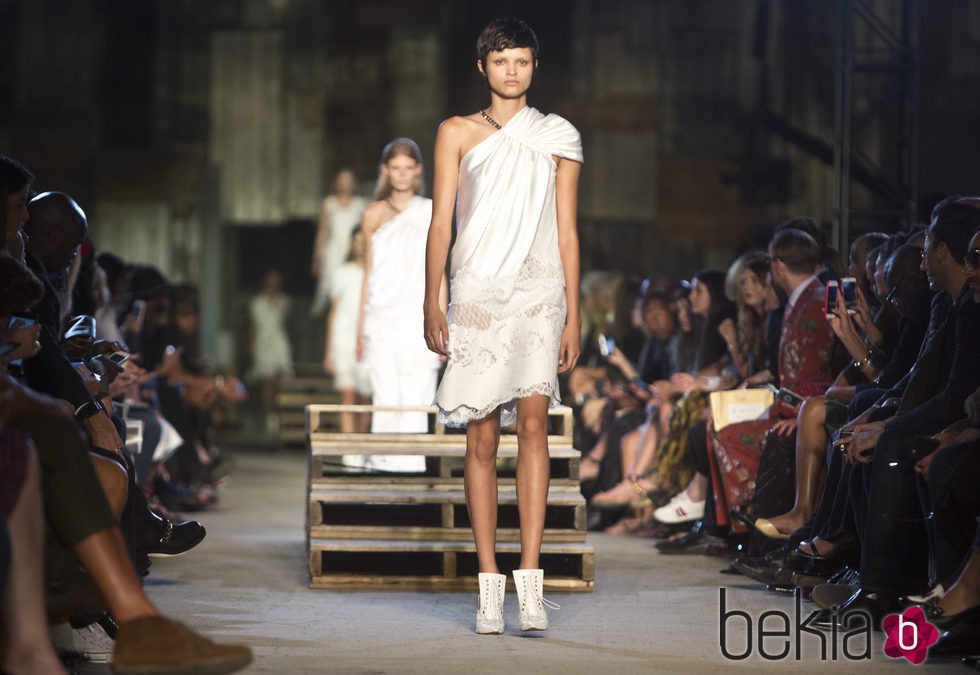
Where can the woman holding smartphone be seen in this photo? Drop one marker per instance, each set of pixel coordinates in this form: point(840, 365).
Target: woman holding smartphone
point(513, 322)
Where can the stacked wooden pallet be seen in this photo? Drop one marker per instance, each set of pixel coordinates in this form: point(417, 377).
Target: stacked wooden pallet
point(306, 385)
point(371, 530)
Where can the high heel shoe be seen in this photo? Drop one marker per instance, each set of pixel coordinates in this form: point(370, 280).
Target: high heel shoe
point(490, 615)
point(765, 526)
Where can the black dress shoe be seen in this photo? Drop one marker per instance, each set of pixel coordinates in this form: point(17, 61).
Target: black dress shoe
point(159, 535)
point(875, 606)
point(934, 613)
point(681, 545)
point(763, 568)
point(963, 639)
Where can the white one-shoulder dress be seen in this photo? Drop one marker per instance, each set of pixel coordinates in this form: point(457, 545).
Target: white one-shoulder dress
point(507, 286)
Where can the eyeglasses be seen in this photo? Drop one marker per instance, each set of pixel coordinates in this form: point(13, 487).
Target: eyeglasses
point(972, 259)
point(890, 298)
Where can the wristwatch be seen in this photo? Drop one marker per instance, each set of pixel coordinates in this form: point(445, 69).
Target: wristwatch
point(88, 409)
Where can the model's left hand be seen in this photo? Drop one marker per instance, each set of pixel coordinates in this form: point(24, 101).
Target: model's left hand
point(571, 347)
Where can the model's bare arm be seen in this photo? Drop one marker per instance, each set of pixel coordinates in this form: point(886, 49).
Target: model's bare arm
point(322, 235)
point(566, 202)
point(445, 180)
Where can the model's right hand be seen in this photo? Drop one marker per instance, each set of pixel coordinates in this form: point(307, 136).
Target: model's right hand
point(436, 332)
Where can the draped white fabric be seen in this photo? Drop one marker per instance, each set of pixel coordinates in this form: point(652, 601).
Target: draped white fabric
point(508, 302)
point(394, 349)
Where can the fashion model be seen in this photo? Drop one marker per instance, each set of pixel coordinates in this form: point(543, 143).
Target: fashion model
point(513, 321)
point(402, 371)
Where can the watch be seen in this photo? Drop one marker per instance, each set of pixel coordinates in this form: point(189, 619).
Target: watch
point(88, 409)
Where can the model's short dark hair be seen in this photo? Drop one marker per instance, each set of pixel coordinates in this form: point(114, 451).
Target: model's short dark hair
point(954, 223)
point(505, 33)
point(797, 249)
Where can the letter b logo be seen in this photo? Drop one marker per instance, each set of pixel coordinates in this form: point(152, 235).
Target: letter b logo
point(906, 627)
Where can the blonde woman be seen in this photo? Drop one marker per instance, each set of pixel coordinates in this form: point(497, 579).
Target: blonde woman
point(402, 371)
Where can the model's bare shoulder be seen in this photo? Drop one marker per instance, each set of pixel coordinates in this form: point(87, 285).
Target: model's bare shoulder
point(463, 133)
point(373, 216)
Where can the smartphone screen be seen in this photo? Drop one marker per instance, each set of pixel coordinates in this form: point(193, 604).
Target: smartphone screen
point(849, 290)
point(830, 299)
point(605, 344)
point(119, 358)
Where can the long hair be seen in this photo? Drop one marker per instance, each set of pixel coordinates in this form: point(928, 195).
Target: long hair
point(404, 147)
point(711, 346)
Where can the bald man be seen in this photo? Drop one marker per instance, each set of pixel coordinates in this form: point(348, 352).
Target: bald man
point(54, 231)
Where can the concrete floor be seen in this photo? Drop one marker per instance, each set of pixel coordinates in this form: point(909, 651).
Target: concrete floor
point(247, 583)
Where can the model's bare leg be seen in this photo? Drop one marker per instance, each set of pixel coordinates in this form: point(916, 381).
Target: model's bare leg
point(533, 473)
point(25, 646)
point(363, 419)
point(811, 465)
point(347, 419)
point(480, 485)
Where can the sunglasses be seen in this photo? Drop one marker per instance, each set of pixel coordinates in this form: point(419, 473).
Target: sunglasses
point(972, 259)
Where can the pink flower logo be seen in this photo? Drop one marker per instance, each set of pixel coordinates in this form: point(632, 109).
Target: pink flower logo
point(909, 635)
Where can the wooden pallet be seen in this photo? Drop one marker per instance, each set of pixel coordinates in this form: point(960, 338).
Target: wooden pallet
point(307, 386)
point(369, 530)
point(438, 566)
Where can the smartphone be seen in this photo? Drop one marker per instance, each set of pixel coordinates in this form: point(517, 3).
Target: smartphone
point(923, 446)
point(138, 310)
point(606, 344)
point(24, 321)
point(119, 358)
point(849, 290)
point(830, 299)
point(786, 395)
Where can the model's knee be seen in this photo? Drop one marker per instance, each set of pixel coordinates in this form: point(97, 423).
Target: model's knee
point(532, 427)
point(813, 411)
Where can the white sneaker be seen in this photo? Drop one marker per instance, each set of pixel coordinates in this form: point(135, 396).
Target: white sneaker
point(490, 615)
point(530, 594)
point(90, 642)
point(680, 509)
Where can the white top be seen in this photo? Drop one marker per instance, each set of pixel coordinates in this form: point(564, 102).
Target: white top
point(343, 220)
point(508, 309)
point(273, 353)
point(396, 288)
point(345, 292)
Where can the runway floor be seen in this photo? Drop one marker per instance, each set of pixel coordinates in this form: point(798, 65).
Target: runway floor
point(649, 613)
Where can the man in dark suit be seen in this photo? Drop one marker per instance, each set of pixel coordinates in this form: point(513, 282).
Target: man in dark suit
point(894, 548)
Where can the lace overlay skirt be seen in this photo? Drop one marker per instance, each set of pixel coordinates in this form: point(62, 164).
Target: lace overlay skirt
point(504, 338)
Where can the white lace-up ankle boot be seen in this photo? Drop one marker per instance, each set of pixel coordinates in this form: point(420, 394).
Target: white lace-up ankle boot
point(490, 616)
point(530, 593)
